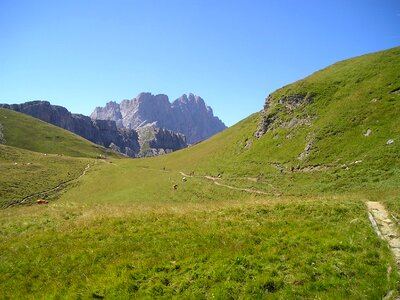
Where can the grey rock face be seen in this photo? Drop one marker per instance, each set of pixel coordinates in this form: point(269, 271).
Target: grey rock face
point(106, 133)
point(188, 115)
point(294, 101)
point(156, 141)
point(100, 132)
point(111, 110)
point(266, 119)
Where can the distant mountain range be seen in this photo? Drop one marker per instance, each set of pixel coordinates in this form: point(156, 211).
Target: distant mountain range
point(188, 115)
point(148, 125)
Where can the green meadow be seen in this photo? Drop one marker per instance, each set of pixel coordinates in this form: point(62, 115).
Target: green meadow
point(233, 217)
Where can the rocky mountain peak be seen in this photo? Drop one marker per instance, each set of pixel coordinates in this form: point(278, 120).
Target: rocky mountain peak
point(188, 115)
point(111, 110)
point(190, 99)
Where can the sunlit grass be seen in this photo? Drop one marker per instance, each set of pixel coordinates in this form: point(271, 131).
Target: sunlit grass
point(252, 248)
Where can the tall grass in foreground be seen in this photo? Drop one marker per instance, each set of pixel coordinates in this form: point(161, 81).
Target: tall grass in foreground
point(255, 248)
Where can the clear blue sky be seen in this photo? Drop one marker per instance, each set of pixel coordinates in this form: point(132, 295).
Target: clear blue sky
point(82, 54)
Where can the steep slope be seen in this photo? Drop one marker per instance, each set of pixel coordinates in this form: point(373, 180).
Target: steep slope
point(26, 176)
point(22, 131)
point(337, 129)
point(188, 115)
point(102, 132)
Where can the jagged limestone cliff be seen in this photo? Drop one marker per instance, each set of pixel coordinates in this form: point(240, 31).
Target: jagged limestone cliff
point(188, 115)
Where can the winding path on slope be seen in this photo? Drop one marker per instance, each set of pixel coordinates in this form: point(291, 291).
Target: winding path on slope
point(217, 179)
point(59, 186)
point(216, 182)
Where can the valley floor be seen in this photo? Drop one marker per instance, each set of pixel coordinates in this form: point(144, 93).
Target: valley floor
point(134, 235)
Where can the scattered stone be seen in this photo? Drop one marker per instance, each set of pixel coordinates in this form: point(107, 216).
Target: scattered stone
point(294, 101)
point(395, 91)
point(368, 132)
point(175, 186)
point(42, 201)
point(184, 179)
point(307, 149)
point(248, 144)
point(389, 142)
point(375, 100)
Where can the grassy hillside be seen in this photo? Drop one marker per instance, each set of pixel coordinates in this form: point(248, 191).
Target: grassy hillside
point(22, 131)
point(347, 99)
point(159, 228)
point(25, 173)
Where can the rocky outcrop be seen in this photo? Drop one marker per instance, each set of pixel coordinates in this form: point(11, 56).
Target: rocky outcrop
point(188, 115)
point(194, 118)
point(156, 141)
point(287, 104)
point(103, 132)
point(112, 111)
point(266, 119)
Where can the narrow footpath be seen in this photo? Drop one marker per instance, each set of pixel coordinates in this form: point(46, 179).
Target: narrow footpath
point(216, 182)
point(56, 188)
point(386, 229)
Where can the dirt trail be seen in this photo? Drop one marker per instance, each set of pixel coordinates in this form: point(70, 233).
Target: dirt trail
point(216, 181)
point(58, 187)
point(386, 229)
